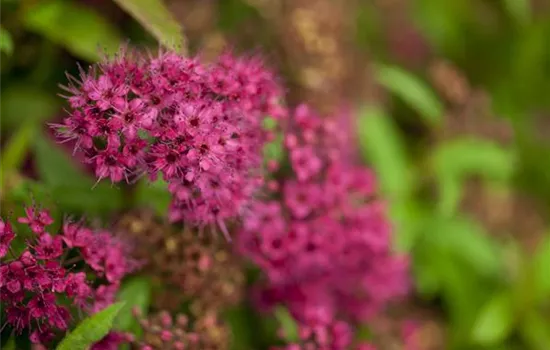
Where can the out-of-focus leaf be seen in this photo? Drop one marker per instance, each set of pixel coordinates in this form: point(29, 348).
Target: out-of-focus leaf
point(287, 323)
point(102, 199)
point(427, 281)
point(454, 160)
point(78, 28)
point(519, 10)
point(442, 22)
point(382, 145)
point(408, 219)
point(157, 20)
point(23, 102)
point(233, 13)
point(154, 195)
point(6, 43)
point(55, 167)
point(463, 292)
point(474, 156)
point(71, 187)
point(274, 149)
point(269, 123)
point(91, 330)
point(27, 189)
point(412, 90)
point(10, 345)
point(364, 332)
point(495, 321)
point(535, 331)
point(237, 319)
point(466, 240)
point(369, 26)
point(541, 270)
point(16, 149)
point(450, 194)
point(136, 293)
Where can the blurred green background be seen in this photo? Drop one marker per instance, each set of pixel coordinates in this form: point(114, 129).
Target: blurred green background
point(453, 106)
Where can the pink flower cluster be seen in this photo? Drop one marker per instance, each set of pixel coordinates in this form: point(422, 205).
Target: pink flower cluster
point(336, 335)
point(56, 267)
point(325, 245)
point(199, 126)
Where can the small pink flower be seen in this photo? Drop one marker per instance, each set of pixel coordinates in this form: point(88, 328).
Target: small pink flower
point(305, 162)
point(111, 341)
point(110, 164)
point(6, 236)
point(18, 317)
point(42, 336)
point(36, 219)
point(106, 94)
point(12, 276)
point(42, 306)
point(49, 247)
point(75, 235)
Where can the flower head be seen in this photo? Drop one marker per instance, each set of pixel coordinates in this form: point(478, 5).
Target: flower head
point(34, 284)
point(199, 126)
point(325, 245)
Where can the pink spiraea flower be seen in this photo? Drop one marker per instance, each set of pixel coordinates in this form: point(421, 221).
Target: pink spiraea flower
point(337, 335)
point(112, 341)
point(325, 244)
point(198, 126)
point(33, 284)
point(6, 236)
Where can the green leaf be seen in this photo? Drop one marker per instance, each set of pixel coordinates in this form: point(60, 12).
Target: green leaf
point(154, 195)
point(91, 330)
point(269, 123)
point(10, 345)
point(495, 321)
point(71, 187)
point(157, 20)
point(6, 43)
point(14, 152)
point(364, 332)
point(466, 240)
point(136, 293)
point(288, 324)
point(519, 10)
point(535, 330)
point(78, 28)
point(25, 102)
point(102, 199)
point(382, 145)
point(411, 90)
point(274, 149)
point(408, 217)
point(442, 23)
point(237, 319)
point(55, 167)
point(541, 269)
point(454, 160)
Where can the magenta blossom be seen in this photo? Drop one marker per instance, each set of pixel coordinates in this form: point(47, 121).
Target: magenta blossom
point(337, 335)
point(325, 244)
point(33, 284)
point(6, 236)
point(198, 126)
